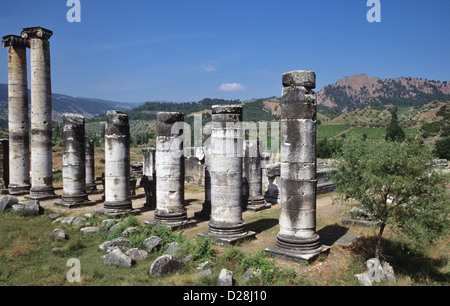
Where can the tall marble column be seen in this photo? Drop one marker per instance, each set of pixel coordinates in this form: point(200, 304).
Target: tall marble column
point(170, 171)
point(148, 180)
point(18, 120)
point(91, 186)
point(41, 113)
point(297, 240)
point(74, 163)
point(253, 176)
point(117, 164)
point(226, 225)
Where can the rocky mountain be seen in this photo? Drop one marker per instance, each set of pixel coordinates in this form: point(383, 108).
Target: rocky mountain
point(359, 91)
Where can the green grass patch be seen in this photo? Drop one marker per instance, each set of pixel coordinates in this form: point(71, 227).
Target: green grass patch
point(329, 131)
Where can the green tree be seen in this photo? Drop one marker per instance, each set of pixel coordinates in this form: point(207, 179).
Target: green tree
point(373, 172)
point(394, 132)
point(442, 148)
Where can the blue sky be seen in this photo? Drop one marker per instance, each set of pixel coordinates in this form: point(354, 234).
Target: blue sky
point(186, 50)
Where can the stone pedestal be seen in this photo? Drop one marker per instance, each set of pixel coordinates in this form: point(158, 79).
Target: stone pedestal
point(117, 165)
point(297, 240)
point(252, 174)
point(226, 225)
point(41, 114)
point(18, 120)
point(169, 163)
point(148, 180)
point(74, 163)
point(91, 186)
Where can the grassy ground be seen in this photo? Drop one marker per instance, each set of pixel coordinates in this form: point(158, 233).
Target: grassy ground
point(26, 256)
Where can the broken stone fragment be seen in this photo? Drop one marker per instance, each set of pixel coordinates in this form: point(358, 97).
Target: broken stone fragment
point(165, 264)
point(58, 234)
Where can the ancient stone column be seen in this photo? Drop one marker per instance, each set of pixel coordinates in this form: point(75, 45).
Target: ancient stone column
point(18, 120)
point(41, 114)
point(117, 164)
point(74, 163)
point(170, 171)
point(297, 239)
point(253, 176)
point(91, 186)
point(148, 180)
point(226, 225)
point(206, 206)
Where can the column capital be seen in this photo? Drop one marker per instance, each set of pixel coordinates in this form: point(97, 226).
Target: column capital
point(14, 41)
point(36, 32)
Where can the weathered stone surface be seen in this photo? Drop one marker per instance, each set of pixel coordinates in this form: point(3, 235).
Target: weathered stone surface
point(152, 243)
point(378, 271)
point(53, 216)
point(41, 113)
point(273, 170)
point(226, 225)
point(7, 202)
point(170, 170)
point(106, 225)
point(304, 78)
point(172, 249)
point(297, 239)
point(78, 221)
point(91, 186)
point(74, 162)
point(17, 208)
point(58, 234)
point(204, 273)
point(32, 208)
point(136, 254)
point(113, 229)
point(18, 120)
point(89, 230)
point(165, 264)
point(120, 242)
point(225, 278)
point(117, 257)
point(363, 279)
point(117, 164)
point(130, 230)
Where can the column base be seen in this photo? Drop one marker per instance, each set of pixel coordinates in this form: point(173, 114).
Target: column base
point(17, 190)
point(74, 201)
point(228, 234)
point(257, 203)
point(117, 208)
point(306, 250)
point(40, 194)
point(174, 221)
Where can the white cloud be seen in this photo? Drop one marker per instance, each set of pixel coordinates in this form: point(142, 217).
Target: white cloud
point(208, 68)
point(231, 87)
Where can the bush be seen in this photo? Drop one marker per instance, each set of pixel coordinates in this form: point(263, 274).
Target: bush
point(442, 148)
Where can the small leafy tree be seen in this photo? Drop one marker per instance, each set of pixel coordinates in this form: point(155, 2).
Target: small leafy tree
point(394, 132)
point(442, 148)
point(372, 172)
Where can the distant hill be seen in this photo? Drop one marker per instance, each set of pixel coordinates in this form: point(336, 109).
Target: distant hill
point(88, 107)
point(356, 92)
